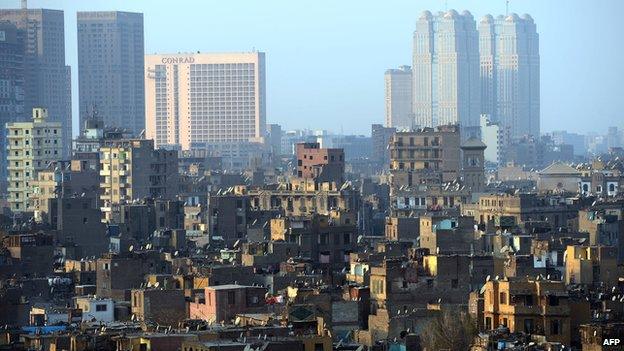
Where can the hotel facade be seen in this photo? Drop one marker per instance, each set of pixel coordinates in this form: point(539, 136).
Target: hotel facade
point(194, 101)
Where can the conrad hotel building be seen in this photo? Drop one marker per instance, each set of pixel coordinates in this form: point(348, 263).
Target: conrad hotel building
point(195, 101)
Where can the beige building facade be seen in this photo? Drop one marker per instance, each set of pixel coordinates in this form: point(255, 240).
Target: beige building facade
point(195, 100)
point(30, 147)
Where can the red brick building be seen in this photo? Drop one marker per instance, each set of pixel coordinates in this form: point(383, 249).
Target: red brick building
point(320, 164)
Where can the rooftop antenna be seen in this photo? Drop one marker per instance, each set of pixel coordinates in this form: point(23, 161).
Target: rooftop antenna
point(506, 7)
point(24, 4)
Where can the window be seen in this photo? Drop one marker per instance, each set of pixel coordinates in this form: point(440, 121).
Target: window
point(553, 300)
point(231, 298)
point(528, 326)
point(100, 307)
point(502, 298)
point(555, 327)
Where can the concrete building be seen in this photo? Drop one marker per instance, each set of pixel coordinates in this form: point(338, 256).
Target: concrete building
point(446, 70)
point(11, 87)
point(95, 309)
point(380, 139)
point(30, 147)
point(47, 80)
point(510, 72)
point(194, 100)
point(223, 302)
point(162, 306)
point(111, 69)
point(496, 137)
point(591, 265)
point(320, 164)
point(398, 87)
point(132, 169)
point(531, 306)
point(425, 156)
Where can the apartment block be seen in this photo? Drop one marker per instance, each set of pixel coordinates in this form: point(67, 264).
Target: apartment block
point(425, 156)
point(532, 306)
point(31, 146)
point(320, 164)
point(132, 169)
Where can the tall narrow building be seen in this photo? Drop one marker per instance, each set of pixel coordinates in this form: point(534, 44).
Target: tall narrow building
point(47, 80)
point(510, 76)
point(11, 87)
point(31, 146)
point(110, 68)
point(446, 70)
point(398, 87)
point(194, 101)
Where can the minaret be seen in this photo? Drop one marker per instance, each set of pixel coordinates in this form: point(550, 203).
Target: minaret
point(473, 168)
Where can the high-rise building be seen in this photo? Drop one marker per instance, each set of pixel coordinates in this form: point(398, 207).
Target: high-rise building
point(398, 85)
point(510, 73)
point(445, 70)
point(11, 86)
point(111, 68)
point(195, 100)
point(47, 80)
point(30, 147)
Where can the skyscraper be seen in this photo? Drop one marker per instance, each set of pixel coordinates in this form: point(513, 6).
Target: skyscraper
point(11, 86)
point(47, 80)
point(195, 100)
point(110, 68)
point(510, 76)
point(446, 70)
point(398, 85)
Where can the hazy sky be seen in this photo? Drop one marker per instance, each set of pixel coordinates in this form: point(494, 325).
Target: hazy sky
point(326, 59)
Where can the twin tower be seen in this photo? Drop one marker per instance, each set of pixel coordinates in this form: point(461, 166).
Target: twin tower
point(462, 70)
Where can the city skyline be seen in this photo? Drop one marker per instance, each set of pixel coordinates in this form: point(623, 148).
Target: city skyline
point(387, 48)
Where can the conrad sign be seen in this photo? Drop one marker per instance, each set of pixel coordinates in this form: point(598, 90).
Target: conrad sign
point(170, 60)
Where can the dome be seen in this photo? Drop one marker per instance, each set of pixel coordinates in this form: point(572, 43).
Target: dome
point(451, 14)
point(425, 15)
point(487, 19)
point(466, 13)
point(512, 18)
point(527, 17)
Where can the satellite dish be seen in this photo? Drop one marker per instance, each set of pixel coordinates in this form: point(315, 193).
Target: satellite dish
point(157, 284)
point(131, 248)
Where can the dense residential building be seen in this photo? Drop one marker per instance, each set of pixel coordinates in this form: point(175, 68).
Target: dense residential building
point(47, 80)
point(446, 70)
point(11, 86)
point(510, 73)
point(532, 306)
point(194, 100)
point(380, 139)
point(31, 146)
point(425, 156)
point(320, 164)
point(496, 137)
point(111, 69)
point(398, 87)
point(132, 169)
